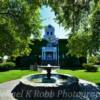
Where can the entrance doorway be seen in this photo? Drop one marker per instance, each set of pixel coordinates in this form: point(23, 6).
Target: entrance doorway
point(49, 56)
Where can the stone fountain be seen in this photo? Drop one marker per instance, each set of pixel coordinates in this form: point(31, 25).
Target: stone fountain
point(45, 86)
point(48, 69)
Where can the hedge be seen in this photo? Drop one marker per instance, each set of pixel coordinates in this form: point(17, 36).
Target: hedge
point(7, 66)
point(90, 67)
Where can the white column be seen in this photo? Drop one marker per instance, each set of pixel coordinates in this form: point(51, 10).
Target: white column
point(53, 55)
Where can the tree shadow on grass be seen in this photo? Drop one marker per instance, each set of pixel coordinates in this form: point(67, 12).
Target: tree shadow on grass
point(98, 84)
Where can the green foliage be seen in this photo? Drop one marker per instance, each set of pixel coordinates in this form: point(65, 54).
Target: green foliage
point(36, 50)
point(92, 59)
point(86, 40)
point(98, 58)
point(90, 67)
point(95, 29)
point(18, 20)
point(14, 74)
point(21, 18)
point(68, 12)
point(65, 58)
point(34, 56)
point(7, 66)
point(79, 44)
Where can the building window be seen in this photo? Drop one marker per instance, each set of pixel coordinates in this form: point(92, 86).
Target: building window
point(51, 33)
point(47, 33)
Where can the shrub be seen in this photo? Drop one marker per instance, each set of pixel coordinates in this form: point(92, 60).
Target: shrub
point(7, 66)
point(92, 59)
point(90, 67)
point(97, 62)
point(98, 59)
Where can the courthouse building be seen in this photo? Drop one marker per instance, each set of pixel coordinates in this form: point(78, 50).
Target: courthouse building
point(49, 50)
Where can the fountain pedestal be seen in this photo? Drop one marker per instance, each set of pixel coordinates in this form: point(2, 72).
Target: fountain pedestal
point(48, 70)
point(49, 73)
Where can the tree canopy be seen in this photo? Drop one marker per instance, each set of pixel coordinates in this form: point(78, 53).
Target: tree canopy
point(86, 40)
point(20, 18)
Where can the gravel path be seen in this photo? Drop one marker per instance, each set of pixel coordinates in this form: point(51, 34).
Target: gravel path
point(92, 91)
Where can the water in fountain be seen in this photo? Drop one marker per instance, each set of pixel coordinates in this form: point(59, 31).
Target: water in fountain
point(48, 79)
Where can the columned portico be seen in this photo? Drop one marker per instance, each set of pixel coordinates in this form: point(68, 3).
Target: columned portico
point(49, 53)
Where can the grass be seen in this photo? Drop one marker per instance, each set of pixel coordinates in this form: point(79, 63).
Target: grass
point(89, 76)
point(16, 74)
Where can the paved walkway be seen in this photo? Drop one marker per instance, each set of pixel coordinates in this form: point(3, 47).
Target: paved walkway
point(94, 90)
point(5, 90)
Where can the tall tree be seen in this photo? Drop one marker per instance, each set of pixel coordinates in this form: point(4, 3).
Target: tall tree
point(87, 39)
point(18, 20)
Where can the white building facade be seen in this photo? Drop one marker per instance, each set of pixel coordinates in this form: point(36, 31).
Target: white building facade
point(50, 52)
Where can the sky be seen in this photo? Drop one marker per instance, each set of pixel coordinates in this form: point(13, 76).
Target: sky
point(47, 16)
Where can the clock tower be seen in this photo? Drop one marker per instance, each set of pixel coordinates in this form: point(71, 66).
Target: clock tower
point(49, 33)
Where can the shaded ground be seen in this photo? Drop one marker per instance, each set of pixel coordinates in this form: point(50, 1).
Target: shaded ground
point(89, 91)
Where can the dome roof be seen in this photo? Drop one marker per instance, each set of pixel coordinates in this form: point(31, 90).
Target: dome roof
point(49, 26)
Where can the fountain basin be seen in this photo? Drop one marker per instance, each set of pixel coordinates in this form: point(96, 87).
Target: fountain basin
point(41, 80)
point(45, 86)
point(39, 87)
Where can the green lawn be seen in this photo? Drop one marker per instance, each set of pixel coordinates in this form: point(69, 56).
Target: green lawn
point(89, 76)
point(15, 74)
